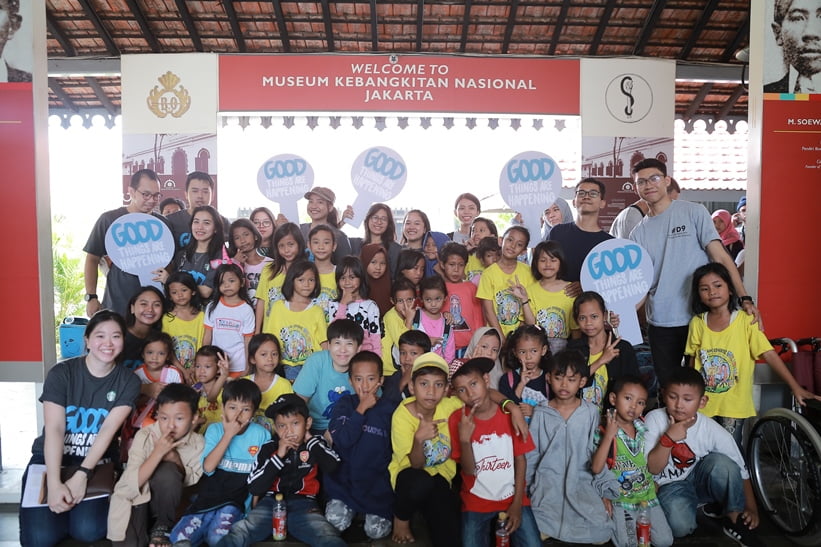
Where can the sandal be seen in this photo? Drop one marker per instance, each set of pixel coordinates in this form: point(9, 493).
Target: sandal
point(160, 537)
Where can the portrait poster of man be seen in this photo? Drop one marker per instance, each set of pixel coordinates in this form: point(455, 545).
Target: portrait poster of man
point(15, 41)
point(792, 51)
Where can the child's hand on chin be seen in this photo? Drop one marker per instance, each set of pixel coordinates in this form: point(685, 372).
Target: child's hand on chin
point(678, 430)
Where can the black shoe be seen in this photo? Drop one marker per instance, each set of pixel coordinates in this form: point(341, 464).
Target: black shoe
point(712, 510)
point(739, 532)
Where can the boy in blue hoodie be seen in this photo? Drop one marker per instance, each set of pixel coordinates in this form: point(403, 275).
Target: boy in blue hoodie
point(361, 430)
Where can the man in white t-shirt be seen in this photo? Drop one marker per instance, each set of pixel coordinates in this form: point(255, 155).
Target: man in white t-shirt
point(679, 236)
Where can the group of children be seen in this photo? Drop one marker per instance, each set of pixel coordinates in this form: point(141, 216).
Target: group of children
point(316, 377)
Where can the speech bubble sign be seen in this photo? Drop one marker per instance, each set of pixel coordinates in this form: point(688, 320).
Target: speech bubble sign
point(284, 179)
point(621, 271)
point(378, 174)
point(529, 184)
point(139, 244)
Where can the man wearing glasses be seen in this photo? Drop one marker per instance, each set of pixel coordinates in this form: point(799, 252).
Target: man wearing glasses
point(199, 189)
point(578, 238)
point(680, 237)
point(144, 195)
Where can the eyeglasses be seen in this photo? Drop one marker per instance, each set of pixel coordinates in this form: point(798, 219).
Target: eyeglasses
point(587, 193)
point(380, 220)
point(652, 178)
point(147, 196)
point(262, 223)
point(405, 301)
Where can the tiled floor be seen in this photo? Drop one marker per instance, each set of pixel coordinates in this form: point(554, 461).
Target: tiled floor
point(708, 535)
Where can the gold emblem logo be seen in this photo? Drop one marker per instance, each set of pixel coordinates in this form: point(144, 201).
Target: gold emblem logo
point(172, 99)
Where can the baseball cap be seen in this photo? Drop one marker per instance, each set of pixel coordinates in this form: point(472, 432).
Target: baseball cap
point(741, 203)
point(325, 193)
point(482, 365)
point(430, 359)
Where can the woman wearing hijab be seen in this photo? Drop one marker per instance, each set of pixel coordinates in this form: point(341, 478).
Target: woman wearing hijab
point(730, 237)
point(432, 243)
point(558, 213)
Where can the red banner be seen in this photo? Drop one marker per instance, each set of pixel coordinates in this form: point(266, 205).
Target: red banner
point(20, 278)
point(791, 206)
point(398, 83)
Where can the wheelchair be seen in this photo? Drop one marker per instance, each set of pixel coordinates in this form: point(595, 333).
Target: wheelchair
point(784, 457)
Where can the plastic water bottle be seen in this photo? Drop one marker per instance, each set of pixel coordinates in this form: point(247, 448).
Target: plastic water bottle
point(630, 529)
point(279, 519)
point(502, 535)
point(643, 525)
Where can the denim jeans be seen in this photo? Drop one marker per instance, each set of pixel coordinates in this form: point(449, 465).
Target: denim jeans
point(305, 523)
point(716, 478)
point(476, 529)
point(208, 527)
point(40, 527)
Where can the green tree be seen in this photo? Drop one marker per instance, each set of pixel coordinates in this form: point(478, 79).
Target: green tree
point(68, 277)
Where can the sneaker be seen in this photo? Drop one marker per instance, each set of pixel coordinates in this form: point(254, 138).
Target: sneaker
point(712, 510)
point(739, 532)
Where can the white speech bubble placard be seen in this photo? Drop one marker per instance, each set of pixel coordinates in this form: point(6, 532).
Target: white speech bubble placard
point(621, 271)
point(285, 179)
point(139, 244)
point(378, 174)
point(529, 184)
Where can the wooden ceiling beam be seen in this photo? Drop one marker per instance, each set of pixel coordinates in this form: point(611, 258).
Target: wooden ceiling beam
point(375, 27)
point(58, 90)
point(101, 95)
point(329, 28)
point(283, 28)
point(731, 101)
point(703, 19)
point(557, 30)
point(698, 100)
point(105, 36)
point(604, 22)
point(58, 34)
point(511, 22)
point(148, 34)
point(741, 36)
point(465, 26)
point(420, 21)
point(649, 25)
point(188, 21)
point(234, 23)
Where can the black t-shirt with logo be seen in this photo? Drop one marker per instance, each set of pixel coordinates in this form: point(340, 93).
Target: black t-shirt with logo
point(87, 401)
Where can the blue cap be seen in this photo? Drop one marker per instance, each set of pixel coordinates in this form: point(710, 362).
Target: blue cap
point(741, 203)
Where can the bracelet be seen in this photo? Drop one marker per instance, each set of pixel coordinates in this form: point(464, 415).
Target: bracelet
point(504, 403)
point(667, 441)
point(526, 302)
point(88, 472)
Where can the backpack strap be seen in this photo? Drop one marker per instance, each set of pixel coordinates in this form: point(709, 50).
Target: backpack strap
point(637, 208)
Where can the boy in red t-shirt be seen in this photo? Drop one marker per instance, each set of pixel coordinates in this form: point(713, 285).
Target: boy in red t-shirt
point(492, 458)
point(462, 302)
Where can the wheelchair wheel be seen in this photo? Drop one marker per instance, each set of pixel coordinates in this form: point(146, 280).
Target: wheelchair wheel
point(784, 454)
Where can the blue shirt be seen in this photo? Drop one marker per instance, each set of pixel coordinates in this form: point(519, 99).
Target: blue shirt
point(323, 385)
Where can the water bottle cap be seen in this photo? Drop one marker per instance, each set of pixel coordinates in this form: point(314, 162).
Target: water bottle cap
point(502, 516)
point(278, 497)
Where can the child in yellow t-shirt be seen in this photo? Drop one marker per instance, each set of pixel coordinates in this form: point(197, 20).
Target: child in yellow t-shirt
point(502, 310)
point(724, 344)
point(297, 321)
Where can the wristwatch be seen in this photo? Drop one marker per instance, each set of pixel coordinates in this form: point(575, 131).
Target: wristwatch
point(90, 297)
point(746, 299)
point(666, 441)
